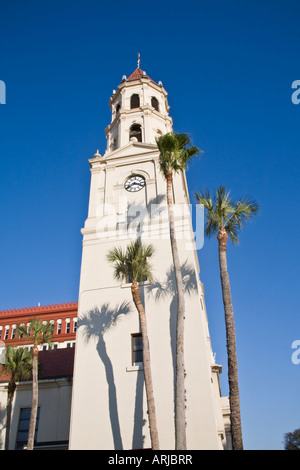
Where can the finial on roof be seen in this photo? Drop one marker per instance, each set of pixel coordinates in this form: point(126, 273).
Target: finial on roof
point(139, 60)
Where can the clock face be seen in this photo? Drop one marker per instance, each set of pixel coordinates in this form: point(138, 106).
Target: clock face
point(135, 183)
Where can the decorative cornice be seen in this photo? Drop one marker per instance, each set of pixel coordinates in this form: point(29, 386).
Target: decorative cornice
point(40, 309)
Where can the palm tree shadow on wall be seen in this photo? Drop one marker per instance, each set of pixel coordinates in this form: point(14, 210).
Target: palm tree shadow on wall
point(94, 324)
point(162, 290)
point(138, 437)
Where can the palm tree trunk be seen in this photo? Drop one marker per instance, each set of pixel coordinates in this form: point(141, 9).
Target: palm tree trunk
point(10, 397)
point(147, 366)
point(34, 406)
point(234, 399)
point(180, 423)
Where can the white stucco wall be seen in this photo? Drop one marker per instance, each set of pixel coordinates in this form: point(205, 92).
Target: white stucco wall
point(108, 400)
point(108, 394)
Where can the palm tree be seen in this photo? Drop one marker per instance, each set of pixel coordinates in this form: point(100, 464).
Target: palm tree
point(133, 265)
point(225, 218)
point(18, 365)
point(175, 154)
point(40, 333)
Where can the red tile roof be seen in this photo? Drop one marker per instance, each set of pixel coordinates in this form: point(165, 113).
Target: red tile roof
point(138, 73)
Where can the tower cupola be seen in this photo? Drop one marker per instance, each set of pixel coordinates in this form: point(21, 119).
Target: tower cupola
point(139, 112)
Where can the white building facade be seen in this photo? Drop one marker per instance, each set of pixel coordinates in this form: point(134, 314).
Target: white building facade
point(127, 200)
point(52, 428)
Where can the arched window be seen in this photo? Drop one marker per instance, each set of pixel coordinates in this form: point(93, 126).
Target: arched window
point(13, 331)
point(6, 331)
point(20, 334)
point(58, 330)
point(154, 103)
point(136, 131)
point(118, 107)
point(114, 144)
point(134, 101)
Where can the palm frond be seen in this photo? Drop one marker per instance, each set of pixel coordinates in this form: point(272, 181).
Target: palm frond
point(118, 257)
point(232, 229)
point(40, 333)
point(116, 254)
point(18, 363)
point(212, 224)
point(222, 211)
point(167, 142)
point(22, 331)
point(175, 152)
point(246, 208)
point(205, 199)
point(187, 156)
point(211, 215)
point(182, 140)
point(133, 262)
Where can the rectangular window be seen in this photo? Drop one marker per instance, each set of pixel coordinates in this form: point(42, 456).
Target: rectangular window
point(137, 349)
point(23, 428)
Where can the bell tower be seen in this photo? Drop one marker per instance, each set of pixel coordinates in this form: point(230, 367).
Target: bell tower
point(127, 200)
point(140, 111)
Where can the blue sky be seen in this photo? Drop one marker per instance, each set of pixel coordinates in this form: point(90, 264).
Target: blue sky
point(228, 67)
